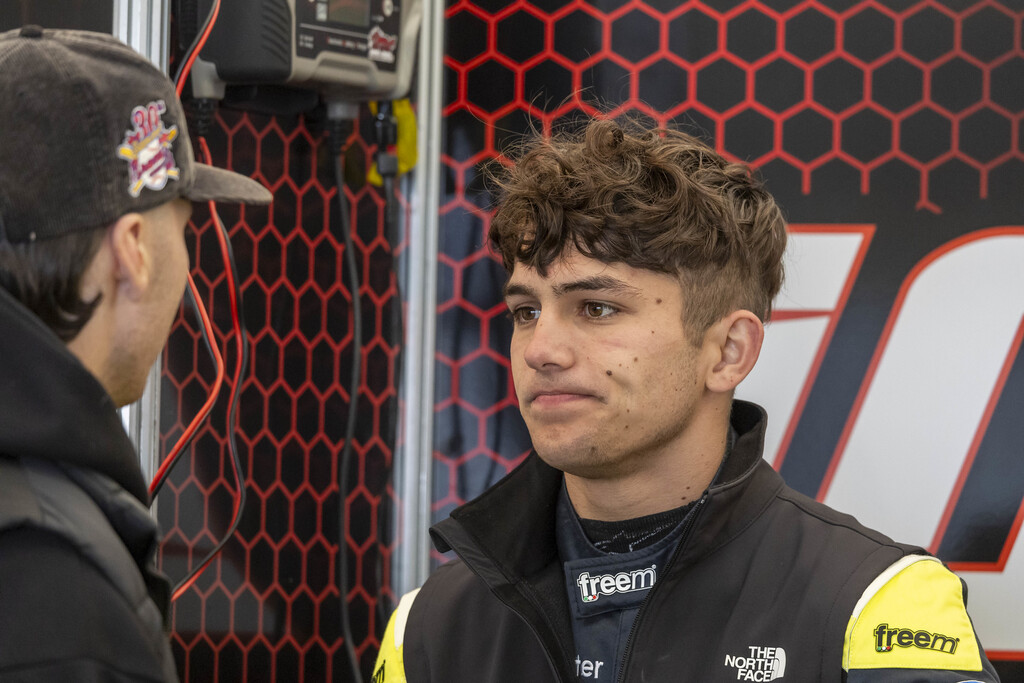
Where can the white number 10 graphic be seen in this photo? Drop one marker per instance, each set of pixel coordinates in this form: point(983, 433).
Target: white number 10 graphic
point(925, 403)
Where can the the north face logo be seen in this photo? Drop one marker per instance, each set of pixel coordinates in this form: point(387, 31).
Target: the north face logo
point(593, 587)
point(760, 664)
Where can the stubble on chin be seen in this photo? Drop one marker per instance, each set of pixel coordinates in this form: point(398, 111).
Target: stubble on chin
point(127, 388)
point(583, 456)
point(127, 372)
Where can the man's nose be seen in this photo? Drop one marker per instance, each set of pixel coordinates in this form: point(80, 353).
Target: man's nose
point(550, 344)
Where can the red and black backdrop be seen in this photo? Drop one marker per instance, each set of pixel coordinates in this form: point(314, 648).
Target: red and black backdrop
point(895, 123)
point(268, 609)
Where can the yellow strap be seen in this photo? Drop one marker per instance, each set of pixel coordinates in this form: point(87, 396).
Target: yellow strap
point(406, 146)
point(912, 616)
point(390, 666)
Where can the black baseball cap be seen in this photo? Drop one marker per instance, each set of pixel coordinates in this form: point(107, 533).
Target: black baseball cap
point(91, 130)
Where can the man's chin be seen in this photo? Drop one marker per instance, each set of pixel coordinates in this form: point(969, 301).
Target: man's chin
point(126, 394)
point(580, 458)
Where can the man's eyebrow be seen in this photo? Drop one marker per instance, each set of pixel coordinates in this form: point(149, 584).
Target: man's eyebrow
point(516, 289)
point(587, 284)
point(595, 283)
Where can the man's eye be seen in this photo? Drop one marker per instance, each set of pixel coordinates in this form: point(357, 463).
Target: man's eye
point(524, 314)
point(596, 309)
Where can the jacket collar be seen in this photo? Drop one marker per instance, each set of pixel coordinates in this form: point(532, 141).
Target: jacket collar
point(744, 486)
point(507, 533)
point(53, 409)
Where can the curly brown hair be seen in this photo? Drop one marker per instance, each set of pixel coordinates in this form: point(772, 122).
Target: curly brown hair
point(656, 199)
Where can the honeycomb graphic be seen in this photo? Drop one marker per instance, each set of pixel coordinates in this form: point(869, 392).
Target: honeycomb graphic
point(268, 608)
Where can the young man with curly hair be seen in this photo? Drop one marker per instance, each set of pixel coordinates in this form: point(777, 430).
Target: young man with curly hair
point(645, 539)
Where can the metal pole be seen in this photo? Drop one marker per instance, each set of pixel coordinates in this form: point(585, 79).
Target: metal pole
point(414, 473)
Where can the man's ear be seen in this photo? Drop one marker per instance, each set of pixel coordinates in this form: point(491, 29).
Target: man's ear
point(736, 341)
point(132, 261)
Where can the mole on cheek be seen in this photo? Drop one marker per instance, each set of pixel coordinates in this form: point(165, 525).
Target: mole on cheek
point(608, 372)
point(657, 301)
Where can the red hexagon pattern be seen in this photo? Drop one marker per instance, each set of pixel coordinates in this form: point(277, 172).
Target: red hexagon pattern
point(268, 608)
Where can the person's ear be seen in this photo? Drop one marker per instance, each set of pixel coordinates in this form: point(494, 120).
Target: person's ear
point(736, 341)
point(132, 261)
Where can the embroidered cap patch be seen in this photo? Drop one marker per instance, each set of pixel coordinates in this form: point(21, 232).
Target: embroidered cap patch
point(147, 148)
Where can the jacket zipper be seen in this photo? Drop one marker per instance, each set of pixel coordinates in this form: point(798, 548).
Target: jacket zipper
point(512, 608)
point(684, 537)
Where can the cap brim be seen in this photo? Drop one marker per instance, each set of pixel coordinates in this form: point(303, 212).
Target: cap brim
point(222, 185)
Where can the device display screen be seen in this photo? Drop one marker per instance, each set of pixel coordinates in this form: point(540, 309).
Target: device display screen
point(351, 12)
point(366, 31)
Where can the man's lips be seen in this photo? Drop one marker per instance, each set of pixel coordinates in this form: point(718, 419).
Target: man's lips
point(558, 397)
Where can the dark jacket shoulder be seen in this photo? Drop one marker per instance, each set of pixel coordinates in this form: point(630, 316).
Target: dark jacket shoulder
point(61, 619)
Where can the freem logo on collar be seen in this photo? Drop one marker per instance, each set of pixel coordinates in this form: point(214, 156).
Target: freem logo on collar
point(593, 587)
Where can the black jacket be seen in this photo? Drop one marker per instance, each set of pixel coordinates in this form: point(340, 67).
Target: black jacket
point(80, 599)
point(761, 566)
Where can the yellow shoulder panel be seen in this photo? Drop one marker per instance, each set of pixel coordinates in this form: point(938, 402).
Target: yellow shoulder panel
point(390, 666)
point(912, 617)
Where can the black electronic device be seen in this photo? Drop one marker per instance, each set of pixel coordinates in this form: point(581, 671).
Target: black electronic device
point(348, 50)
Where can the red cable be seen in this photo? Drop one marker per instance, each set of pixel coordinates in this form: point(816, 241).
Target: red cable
point(180, 85)
point(237, 376)
point(169, 461)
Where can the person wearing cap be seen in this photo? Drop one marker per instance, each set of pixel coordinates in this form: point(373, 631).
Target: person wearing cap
point(97, 177)
point(645, 538)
